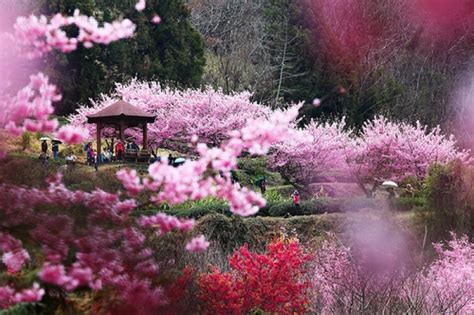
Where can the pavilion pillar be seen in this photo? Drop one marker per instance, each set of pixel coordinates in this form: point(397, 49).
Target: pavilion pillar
point(145, 136)
point(121, 131)
point(99, 144)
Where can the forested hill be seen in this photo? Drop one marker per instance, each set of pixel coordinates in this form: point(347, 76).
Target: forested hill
point(404, 59)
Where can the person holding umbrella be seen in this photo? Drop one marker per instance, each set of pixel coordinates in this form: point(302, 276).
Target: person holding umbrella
point(55, 149)
point(44, 144)
point(390, 187)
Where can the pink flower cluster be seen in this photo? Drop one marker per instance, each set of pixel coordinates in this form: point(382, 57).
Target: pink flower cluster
point(36, 36)
point(140, 6)
point(72, 135)
point(14, 255)
point(108, 249)
point(130, 181)
point(166, 223)
point(30, 108)
point(190, 182)
point(312, 152)
point(197, 244)
point(8, 296)
point(447, 285)
point(78, 277)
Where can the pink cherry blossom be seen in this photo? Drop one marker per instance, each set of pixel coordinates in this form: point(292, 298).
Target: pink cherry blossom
point(14, 260)
point(166, 223)
point(36, 36)
point(35, 294)
point(156, 19)
point(130, 181)
point(140, 6)
point(390, 150)
point(312, 152)
point(30, 108)
point(197, 244)
point(54, 274)
point(7, 297)
point(207, 114)
point(72, 135)
point(316, 102)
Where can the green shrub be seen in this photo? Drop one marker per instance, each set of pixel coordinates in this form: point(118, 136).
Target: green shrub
point(25, 141)
point(409, 203)
point(252, 168)
point(307, 207)
point(25, 171)
point(450, 198)
point(359, 203)
point(229, 233)
point(197, 209)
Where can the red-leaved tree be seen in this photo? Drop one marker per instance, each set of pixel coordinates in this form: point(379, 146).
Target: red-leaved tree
point(273, 282)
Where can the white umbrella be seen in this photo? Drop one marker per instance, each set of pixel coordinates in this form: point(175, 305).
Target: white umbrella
point(179, 160)
point(389, 183)
point(44, 139)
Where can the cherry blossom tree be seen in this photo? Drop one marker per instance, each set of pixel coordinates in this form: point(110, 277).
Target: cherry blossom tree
point(313, 151)
point(344, 284)
point(207, 114)
point(391, 150)
point(383, 150)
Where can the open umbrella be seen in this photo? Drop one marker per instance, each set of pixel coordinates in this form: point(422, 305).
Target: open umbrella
point(389, 184)
point(57, 141)
point(179, 161)
point(44, 139)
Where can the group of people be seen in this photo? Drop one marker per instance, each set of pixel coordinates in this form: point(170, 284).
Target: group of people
point(109, 153)
point(44, 157)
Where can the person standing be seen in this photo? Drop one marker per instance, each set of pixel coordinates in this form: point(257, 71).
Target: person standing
point(55, 149)
point(263, 186)
point(119, 151)
point(44, 147)
point(96, 162)
point(171, 159)
point(391, 198)
point(296, 200)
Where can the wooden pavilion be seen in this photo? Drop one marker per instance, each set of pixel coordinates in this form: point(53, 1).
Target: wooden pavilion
point(120, 116)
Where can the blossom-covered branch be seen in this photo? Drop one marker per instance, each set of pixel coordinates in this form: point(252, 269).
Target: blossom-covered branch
point(37, 36)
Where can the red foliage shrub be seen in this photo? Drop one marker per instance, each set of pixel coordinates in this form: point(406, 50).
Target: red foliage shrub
point(274, 281)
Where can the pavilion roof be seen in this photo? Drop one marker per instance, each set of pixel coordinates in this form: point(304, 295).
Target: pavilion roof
point(120, 110)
